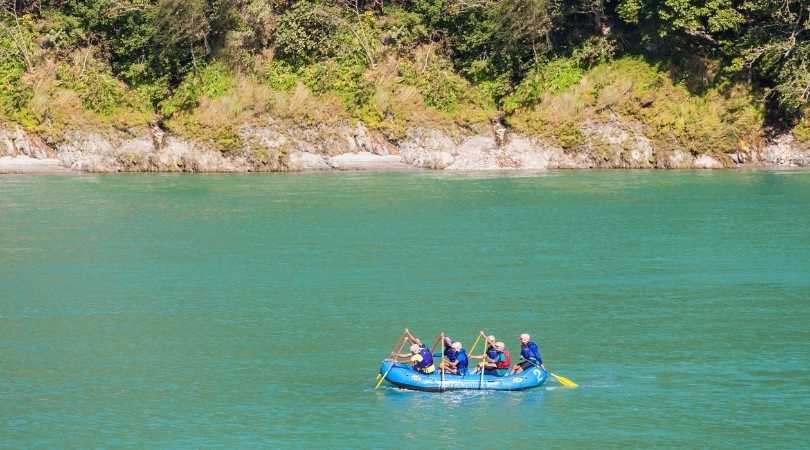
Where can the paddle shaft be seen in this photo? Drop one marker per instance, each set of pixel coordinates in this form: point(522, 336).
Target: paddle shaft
point(385, 375)
point(475, 344)
point(441, 363)
point(393, 363)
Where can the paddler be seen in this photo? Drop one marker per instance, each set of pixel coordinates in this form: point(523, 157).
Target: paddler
point(502, 361)
point(530, 354)
point(491, 352)
point(457, 360)
point(497, 365)
point(420, 357)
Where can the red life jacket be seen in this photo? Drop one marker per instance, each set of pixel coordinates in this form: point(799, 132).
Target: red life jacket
point(505, 364)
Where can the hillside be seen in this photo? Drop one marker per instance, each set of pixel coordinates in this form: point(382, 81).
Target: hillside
point(198, 85)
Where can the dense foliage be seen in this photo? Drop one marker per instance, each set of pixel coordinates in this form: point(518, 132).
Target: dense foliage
point(389, 62)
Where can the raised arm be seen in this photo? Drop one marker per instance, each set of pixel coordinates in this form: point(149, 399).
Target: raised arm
point(413, 338)
point(402, 357)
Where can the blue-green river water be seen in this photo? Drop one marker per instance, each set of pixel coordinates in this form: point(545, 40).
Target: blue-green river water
point(253, 311)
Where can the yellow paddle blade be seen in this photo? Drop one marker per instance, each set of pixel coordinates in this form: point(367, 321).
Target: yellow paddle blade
point(564, 381)
point(380, 379)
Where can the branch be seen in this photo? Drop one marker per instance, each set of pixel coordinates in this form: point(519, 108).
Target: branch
point(16, 36)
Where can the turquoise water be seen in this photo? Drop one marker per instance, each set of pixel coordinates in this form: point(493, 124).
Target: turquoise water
point(253, 311)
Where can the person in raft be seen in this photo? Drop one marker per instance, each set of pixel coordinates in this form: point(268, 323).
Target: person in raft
point(420, 355)
point(530, 354)
point(421, 358)
point(499, 365)
point(457, 360)
point(490, 352)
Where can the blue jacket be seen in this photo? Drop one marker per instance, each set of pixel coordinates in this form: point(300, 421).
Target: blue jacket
point(462, 362)
point(531, 352)
point(492, 353)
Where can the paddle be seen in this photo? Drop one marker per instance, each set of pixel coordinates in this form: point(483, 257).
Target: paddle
point(403, 339)
point(393, 363)
point(472, 350)
point(564, 381)
point(560, 379)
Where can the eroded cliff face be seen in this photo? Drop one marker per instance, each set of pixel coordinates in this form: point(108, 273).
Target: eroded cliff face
point(275, 146)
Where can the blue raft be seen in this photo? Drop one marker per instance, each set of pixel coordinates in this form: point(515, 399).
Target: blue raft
point(403, 376)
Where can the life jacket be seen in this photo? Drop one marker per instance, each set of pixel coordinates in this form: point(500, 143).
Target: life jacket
point(492, 353)
point(427, 359)
point(506, 363)
point(462, 361)
point(531, 352)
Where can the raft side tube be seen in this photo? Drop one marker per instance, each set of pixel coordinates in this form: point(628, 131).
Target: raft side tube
point(404, 376)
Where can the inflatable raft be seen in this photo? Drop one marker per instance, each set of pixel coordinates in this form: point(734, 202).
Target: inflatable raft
point(403, 376)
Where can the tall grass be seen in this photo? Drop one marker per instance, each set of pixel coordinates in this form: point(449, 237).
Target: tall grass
point(722, 119)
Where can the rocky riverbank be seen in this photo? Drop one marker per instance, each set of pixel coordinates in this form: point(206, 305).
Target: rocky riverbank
point(276, 146)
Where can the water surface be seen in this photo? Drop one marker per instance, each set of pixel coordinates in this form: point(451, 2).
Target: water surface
point(252, 311)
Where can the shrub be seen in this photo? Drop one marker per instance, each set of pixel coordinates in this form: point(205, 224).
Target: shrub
point(549, 78)
point(280, 76)
point(802, 129)
point(341, 77)
point(14, 93)
point(211, 81)
point(441, 88)
point(61, 32)
point(405, 29)
point(305, 32)
point(595, 50)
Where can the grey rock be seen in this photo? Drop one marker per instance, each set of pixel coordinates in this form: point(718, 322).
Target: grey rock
point(617, 143)
point(299, 160)
point(476, 153)
point(27, 164)
point(707, 162)
point(786, 151)
point(674, 159)
point(367, 161)
point(427, 148)
point(20, 143)
point(276, 145)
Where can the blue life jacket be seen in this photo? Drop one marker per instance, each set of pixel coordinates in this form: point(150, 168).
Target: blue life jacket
point(450, 353)
point(427, 359)
point(462, 362)
point(531, 352)
point(492, 353)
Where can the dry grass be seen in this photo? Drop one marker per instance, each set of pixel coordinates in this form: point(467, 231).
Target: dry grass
point(57, 106)
point(717, 121)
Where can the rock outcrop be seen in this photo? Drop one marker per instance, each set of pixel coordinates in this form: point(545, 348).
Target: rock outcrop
point(277, 146)
point(786, 151)
point(14, 141)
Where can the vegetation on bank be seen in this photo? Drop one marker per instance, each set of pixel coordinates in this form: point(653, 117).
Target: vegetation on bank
point(695, 74)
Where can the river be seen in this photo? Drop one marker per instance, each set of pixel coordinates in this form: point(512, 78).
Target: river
point(165, 311)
